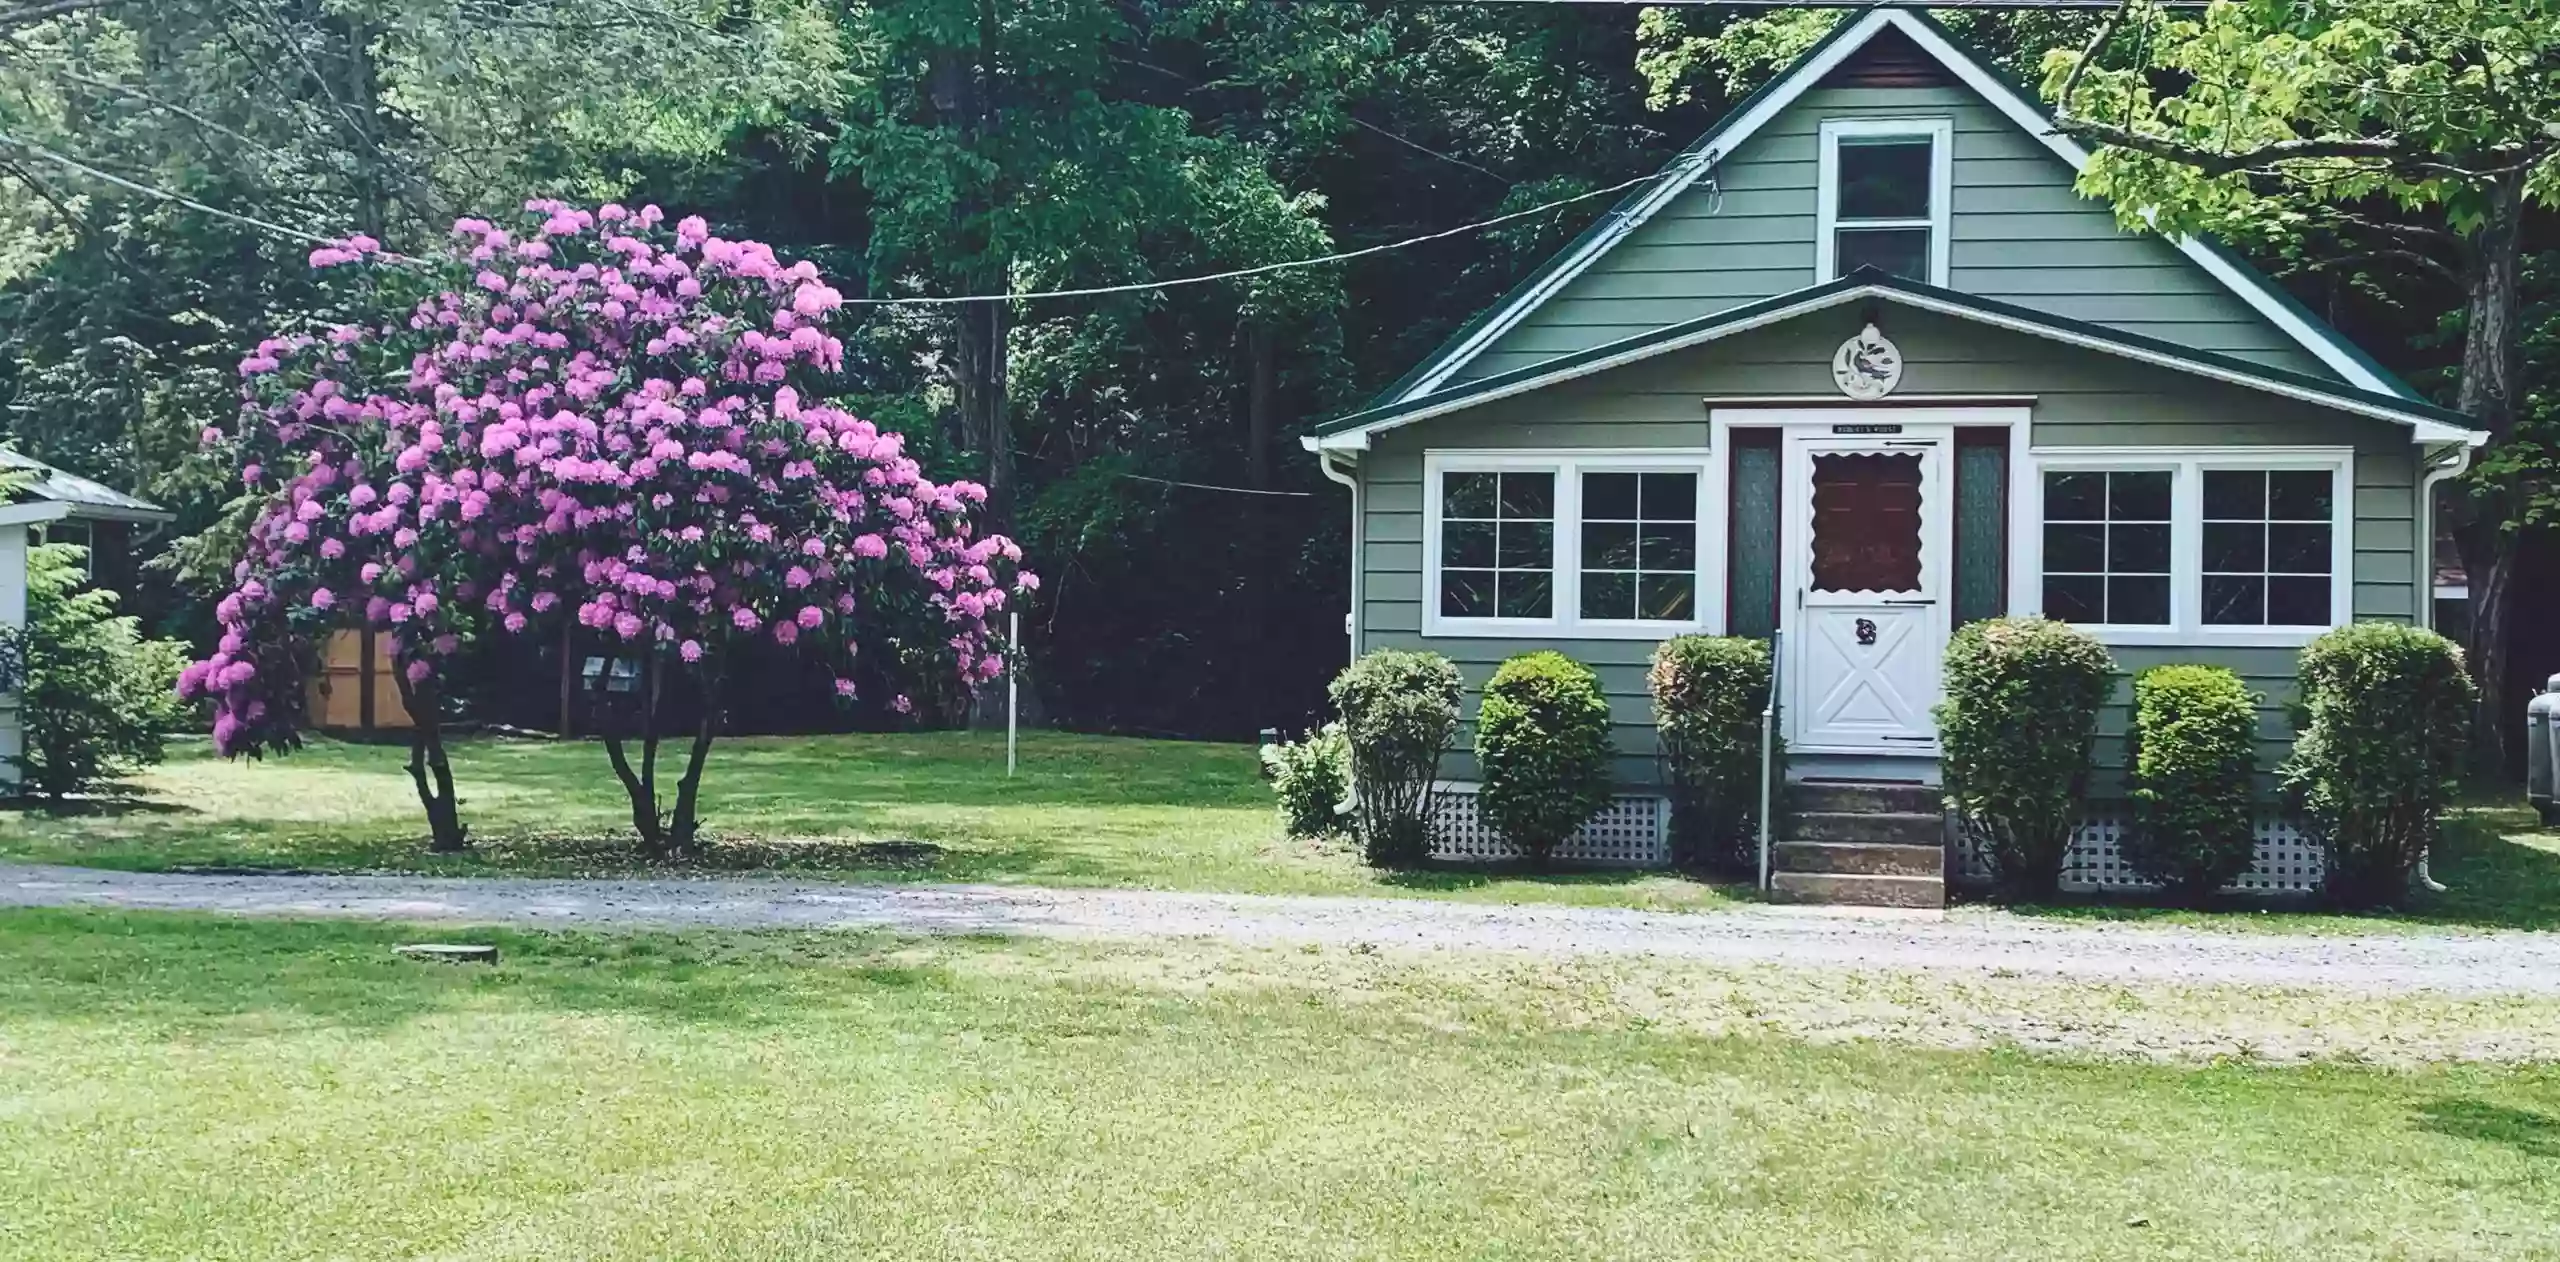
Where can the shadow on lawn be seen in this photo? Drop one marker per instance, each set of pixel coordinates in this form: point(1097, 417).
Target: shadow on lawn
point(117, 802)
point(2500, 870)
point(208, 976)
point(2530, 1133)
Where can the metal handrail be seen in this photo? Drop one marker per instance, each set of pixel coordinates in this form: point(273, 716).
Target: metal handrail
point(1769, 749)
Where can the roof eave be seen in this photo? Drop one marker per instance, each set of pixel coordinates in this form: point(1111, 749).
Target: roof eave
point(2427, 424)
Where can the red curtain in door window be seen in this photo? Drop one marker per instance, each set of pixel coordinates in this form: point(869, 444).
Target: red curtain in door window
point(1866, 522)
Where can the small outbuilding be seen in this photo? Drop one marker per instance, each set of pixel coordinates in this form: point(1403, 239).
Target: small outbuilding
point(59, 507)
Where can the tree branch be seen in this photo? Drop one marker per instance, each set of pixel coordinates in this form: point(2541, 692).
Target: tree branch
point(52, 9)
point(2418, 234)
point(2215, 162)
point(2447, 271)
point(2089, 53)
point(2208, 161)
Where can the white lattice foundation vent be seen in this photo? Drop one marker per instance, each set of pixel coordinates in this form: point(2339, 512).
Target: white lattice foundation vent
point(2288, 860)
point(1634, 830)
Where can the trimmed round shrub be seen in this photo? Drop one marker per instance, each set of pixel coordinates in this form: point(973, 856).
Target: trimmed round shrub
point(2191, 754)
point(1708, 692)
point(2022, 703)
point(1399, 712)
point(1311, 776)
point(2383, 729)
point(1542, 747)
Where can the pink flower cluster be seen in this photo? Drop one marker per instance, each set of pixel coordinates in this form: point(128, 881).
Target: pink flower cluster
point(591, 418)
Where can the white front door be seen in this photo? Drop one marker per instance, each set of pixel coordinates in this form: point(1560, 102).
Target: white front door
point(1866, 608)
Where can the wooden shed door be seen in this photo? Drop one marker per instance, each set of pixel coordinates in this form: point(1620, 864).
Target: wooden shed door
point(1868, 618)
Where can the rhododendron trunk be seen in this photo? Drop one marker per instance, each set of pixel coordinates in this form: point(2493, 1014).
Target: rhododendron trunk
point(428, 769)
point(665, 835)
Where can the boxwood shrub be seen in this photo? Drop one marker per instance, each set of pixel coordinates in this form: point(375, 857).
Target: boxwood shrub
point(2191, 755)
point(2383, 714)
point(1399, 712)
point(1311, 776)
point(1542, 748)
point(2022, 702)
point(1708, 692)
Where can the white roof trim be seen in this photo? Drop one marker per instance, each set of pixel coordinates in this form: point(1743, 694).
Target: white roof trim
point(1358, 439)
point(1728, 139)
point(34, 512)
point(2422, 429)
point(2026, 114)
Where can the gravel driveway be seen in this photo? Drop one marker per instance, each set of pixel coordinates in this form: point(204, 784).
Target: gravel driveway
point(2445, 963)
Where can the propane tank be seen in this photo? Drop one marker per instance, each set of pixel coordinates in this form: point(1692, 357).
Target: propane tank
point(2542, 752)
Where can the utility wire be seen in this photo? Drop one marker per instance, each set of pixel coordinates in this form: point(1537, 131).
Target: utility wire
point(163, 194)
point(926, 300)
point(1268, 268)
point(1204, 486)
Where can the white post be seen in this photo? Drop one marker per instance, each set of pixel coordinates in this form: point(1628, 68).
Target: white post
point(1769, 749)
point(13, 613)
point(1012, 691)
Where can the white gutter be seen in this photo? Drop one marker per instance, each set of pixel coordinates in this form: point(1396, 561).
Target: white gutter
point(2425, 549)
point(1351, 619)
point(2424, 587)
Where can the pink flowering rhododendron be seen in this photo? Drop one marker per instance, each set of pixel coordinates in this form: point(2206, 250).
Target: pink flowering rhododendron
point(591, 418)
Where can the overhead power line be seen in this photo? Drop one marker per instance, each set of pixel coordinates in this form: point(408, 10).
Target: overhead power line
point(927, 300)
point(1205, 486)
point(1265, 269)
point(162, 194)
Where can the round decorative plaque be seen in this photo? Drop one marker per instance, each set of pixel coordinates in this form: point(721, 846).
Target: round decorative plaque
point(1868, 366)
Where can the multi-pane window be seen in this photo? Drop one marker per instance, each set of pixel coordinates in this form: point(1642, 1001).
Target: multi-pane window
point(2215, 543)
point(1497, 544)
point(1640, 546)
point(2106, 547)
point(2267, 557)
point(1883, 219)
point(1605, 544)
point(1881, 204)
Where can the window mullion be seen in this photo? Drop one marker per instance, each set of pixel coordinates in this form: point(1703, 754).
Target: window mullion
point(2186, 548)
point(1566, 540)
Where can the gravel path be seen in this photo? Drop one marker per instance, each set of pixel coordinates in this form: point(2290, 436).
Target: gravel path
point(2445, 963)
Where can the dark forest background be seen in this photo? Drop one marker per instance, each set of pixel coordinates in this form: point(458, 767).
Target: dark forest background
point(912, 148)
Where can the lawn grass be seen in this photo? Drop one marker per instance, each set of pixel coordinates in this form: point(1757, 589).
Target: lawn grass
point(178, 1086)
point(926, 806)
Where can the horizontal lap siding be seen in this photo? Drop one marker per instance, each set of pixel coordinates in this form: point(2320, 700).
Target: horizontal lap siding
point(2082, 399)
point(2267, 672)
point(2019, 232)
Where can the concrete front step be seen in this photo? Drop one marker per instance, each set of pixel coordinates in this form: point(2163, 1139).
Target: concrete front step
point(1853, 858)
point(1862, 797)
point(1844, 890)
point(1906, 828)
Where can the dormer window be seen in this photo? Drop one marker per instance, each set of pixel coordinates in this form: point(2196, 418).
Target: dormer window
point(1885, 185)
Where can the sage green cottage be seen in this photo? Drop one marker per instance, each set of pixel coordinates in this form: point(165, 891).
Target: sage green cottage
point(1856, 368)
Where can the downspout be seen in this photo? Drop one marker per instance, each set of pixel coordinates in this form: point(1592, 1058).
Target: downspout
point(2425, 551)
point(1351, 619)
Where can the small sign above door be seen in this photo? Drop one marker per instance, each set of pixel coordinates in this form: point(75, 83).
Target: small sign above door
point(1866, 429)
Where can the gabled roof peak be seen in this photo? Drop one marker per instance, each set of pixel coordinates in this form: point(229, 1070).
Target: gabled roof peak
point(1893, 30)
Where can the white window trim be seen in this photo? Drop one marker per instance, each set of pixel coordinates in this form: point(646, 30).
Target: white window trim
point(1941, 136)
point(2186, 535)
point(1565, 596)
